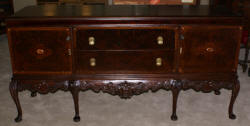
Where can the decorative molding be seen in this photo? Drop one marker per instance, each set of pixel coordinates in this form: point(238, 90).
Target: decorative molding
point(42, 86)
point(128, 88)
point(123, 88)
point(206, 86)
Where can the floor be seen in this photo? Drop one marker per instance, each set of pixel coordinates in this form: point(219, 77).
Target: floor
point(150, 109)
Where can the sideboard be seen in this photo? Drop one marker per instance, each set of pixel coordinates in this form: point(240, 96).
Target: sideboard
point(124, 50)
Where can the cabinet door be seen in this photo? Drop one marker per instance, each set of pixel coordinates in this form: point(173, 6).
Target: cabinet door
point(209, 49)
point(41, 50)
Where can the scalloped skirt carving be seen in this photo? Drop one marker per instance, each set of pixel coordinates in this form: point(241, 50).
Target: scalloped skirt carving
point(123, 88)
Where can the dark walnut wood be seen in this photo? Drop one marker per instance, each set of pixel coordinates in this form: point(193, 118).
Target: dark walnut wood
point(124, 51)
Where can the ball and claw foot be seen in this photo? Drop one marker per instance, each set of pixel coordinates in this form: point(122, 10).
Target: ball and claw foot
point(174, 117)
point(232, 116)
point(77, 118)
point(18, 119)
point(217, 92)
point(33, 94)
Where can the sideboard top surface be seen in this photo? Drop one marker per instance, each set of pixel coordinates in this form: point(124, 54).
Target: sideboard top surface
point(124, 11)
point(123, 14)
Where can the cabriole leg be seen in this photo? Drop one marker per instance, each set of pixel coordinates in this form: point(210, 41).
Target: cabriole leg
point(75, 93)
point(14, 93)
point(217, 92)
point(175, 93)
point(235, 91)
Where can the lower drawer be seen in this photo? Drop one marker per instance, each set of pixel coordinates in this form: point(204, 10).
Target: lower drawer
point(129, 62)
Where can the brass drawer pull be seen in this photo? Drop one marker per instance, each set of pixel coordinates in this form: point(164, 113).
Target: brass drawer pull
point(92, 62)
point(160, 40)
point(210, 49)
point(69, 52)
point(40, 51)
point(91, 41)
point(158, 62)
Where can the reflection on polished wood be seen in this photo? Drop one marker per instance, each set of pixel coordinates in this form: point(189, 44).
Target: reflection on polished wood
point(154, 2)
point(50, 10)
point(125, 10)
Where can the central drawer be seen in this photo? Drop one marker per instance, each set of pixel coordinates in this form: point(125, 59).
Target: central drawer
point(129, 62)
point(139, 38)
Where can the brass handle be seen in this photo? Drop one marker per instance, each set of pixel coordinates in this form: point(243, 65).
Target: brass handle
point(92, 62)
point(69, 52)
point(91, 41)
point(160, 40)
point(210, 49)
point(158, 62)
point(40, 51)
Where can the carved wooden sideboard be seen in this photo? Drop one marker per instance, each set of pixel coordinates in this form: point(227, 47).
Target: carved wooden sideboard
point(124, 50)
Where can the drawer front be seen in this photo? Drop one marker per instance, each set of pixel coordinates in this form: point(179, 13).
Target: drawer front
point(40, 50)
point(125, 39)
point(129, 62)
point(210, 48)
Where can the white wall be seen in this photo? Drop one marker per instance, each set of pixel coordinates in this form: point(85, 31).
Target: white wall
point(204, 2)
point(19, 4)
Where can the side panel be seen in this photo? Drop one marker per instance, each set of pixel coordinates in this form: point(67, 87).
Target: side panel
point(40, 50)
point(209, 49)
